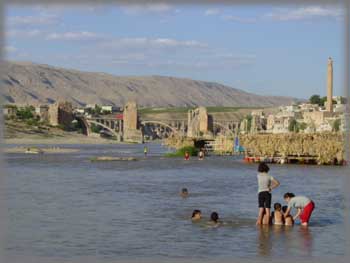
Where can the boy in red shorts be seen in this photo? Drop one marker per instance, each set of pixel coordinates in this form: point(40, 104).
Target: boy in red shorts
point(304, 206)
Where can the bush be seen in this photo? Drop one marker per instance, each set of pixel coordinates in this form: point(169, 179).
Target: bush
point(315, 99)
point(336, 125)
point(32, 122)
point(95, 128)
point(193, 151)
point(25, 113)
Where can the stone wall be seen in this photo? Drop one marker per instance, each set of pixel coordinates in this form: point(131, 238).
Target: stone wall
point(324, 146)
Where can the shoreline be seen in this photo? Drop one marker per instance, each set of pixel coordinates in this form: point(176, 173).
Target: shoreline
point(58, 140)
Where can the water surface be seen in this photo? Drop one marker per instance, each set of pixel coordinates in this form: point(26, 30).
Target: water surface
point(65, 206)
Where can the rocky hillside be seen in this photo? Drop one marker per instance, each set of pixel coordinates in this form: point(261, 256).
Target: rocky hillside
point(26, 82)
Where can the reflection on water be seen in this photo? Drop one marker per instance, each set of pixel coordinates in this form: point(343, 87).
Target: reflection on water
point(264, 241)
point(63, 205)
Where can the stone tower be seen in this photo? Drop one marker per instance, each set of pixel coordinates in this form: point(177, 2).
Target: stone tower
point(329, 104)
point(131, 131)
point(130, 116)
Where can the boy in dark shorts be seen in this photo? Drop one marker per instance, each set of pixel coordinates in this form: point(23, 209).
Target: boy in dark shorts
point(265, 185)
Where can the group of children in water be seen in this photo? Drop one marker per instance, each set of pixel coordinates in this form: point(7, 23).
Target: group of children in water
point(281, 214)
point(197, 214)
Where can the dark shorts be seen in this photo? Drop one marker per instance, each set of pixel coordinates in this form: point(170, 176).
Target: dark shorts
point(264, 199)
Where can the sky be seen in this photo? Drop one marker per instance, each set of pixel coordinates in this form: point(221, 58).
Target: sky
point(267, 50)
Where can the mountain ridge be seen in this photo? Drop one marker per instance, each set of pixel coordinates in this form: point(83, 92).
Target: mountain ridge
point(30, 83)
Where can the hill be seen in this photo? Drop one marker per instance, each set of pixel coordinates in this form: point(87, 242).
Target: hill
point(25, 82)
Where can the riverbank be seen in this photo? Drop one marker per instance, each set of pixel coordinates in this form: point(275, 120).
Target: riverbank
point(37, 150)
point(71, 139)
point(21, 133)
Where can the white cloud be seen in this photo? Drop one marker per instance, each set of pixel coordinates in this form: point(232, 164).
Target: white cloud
point(302, 13)
point(212, 12)
point(153, 43)
point(24, 33)
point(82, 35)
point(33, 20)
point(239, 19)
point(159, 8)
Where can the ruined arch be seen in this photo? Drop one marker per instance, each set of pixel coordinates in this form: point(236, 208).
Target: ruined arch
point(162, 124)
point(101, 125)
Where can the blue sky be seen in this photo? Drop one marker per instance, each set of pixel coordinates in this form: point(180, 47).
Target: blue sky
point(269, 50)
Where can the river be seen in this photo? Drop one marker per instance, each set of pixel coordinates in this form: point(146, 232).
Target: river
point(65, 206)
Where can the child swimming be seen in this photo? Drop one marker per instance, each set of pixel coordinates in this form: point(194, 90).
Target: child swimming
point(214, 217)
point(184, 192)
point(277, 214)
point(196, 215)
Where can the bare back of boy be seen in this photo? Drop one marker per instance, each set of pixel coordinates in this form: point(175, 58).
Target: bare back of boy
point(288, 221)
point(278, 218)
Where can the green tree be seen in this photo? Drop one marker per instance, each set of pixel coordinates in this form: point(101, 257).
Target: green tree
point(97, 109)
point(249, 122)
point(343, 100)
point(336, 125)
point(293, 126)
point(95, 128)
point(25, 113)
point(315, 99)
point(323, 101)
point(302, 126)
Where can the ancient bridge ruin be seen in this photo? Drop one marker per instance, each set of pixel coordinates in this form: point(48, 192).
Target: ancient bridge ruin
point(131, 126)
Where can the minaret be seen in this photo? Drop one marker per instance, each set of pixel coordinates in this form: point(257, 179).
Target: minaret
point(329, 106)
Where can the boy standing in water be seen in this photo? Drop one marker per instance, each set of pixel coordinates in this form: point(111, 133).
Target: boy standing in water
point(266, 183)
point(201, 155)
point(145, 150)
point(187, 155)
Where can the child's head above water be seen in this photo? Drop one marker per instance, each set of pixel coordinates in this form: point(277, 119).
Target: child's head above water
point(277, 206)
point(214, 217)
point(284, 208)
point(196, 214)
point(184, 190)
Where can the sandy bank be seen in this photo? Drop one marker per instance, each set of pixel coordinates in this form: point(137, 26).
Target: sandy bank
point(33, 150)
point(59, 140)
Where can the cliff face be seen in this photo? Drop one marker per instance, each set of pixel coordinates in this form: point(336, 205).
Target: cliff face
point(326, 146)
point(33, 83)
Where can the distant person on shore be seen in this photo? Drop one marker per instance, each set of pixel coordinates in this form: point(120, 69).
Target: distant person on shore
point(277, 214)
point(288, 220)
point(184, 192)
point(266, 183)
point(187, 155)
point(145, 151)
point(304, 205)
point(196, 215)
point(201, 155)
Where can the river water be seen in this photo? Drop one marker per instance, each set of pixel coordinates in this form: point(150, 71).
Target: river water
point(65, 206)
